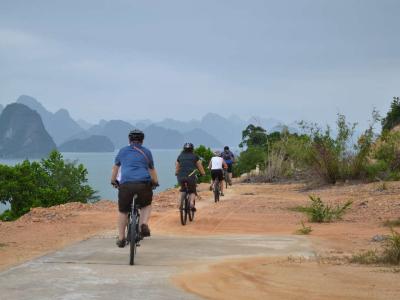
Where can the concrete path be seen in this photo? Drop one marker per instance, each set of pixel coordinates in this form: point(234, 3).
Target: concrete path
point(97, 269)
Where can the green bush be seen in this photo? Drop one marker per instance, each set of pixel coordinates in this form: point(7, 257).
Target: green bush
point(205, 155)
point(51, 181)
point(319, 212)
point(393, 116)
point(390, 254)
point(249, 159)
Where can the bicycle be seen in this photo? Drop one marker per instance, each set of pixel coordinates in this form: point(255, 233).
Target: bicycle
point(226, 177)
point(185, 210)
point(133, 236)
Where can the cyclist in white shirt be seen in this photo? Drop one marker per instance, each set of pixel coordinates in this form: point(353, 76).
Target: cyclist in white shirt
point(217, 164)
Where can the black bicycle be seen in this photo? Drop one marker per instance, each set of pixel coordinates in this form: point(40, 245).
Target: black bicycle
point(216, 189)
point(133, 236)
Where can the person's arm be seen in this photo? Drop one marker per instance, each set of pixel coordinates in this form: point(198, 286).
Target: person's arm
point(114, 173)
point(200, 167)
point(177, 167)
point(154, 176)
point(210, 164)
point(224, 165)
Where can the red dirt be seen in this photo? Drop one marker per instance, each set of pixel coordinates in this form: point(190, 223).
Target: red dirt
point(246, 209)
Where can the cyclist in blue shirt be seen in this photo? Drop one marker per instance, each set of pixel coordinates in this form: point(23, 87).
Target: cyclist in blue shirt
point(138, 176)
point(229, 158)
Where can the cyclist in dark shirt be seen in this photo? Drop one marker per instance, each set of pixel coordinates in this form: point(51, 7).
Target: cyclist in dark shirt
point(186, 163)
point(229, 158)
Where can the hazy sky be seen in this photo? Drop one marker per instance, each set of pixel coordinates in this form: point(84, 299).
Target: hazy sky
point(291, 60)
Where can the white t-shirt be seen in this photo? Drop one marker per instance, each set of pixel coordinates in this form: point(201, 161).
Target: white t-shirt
point(217, 163)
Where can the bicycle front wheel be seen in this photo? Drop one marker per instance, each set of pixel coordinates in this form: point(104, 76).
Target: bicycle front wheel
point(132, 235)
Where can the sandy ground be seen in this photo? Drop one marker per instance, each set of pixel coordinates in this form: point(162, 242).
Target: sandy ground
point(246, 209)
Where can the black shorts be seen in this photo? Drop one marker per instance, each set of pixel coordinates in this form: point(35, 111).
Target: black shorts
point(217, 174)
point(191, 184)
point(126, 192)
point(230, 167)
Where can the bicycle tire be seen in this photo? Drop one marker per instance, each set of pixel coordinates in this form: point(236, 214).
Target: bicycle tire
point(132, 235)
point(191, 212)
point(182, 209)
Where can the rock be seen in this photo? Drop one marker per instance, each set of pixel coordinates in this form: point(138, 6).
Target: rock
point(379, 238)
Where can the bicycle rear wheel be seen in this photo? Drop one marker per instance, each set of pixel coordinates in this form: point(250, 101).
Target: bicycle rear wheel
point(132, 236)
point(182, 209)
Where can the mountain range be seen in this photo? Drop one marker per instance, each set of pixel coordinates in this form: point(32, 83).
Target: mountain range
point(212, 130)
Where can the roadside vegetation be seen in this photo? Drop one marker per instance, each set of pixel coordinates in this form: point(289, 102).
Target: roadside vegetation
point(320, 212)
point(304, 230)
point(389, 254)
point(324, 155)
point(52, 181)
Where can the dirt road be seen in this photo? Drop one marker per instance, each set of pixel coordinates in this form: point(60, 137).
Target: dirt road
point(246, 214)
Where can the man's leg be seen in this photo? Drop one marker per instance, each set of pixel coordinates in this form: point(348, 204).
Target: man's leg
point(122, 222)
point(145, 214)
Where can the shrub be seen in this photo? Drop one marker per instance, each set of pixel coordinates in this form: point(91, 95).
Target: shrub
point(319, 212)
point(391, 251)
point(393, 116)
point(50, 182)
point(304, 229)
point(249, 159)
point(205, 155)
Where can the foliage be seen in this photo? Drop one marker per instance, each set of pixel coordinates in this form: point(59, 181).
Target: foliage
point(390, 253)
point(254, 136)
point(392, 118)
point(386, 155)
point(331, 158)
point(304, 229)
point(205, 155)
point(249, 159)
point(49, 182)
point(319, 212)
point(365, 258)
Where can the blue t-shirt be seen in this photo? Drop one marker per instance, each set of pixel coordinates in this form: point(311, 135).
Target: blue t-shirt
point(135, 163)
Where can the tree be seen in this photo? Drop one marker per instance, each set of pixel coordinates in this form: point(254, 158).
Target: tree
point(393, 116)
point(254, 136)
point(50, 182)
point(205, 155)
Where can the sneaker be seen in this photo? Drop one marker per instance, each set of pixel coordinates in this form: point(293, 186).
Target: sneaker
point(121, 243)
point(144, 230)
point(193, 208)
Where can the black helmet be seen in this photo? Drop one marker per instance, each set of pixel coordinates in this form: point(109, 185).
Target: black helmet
point(226, 148)
point(136, 135)
point(188, 147)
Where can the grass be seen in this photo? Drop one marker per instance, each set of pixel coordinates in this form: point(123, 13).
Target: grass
point(369, 257)
point(304, 229)
point(320, 212)
point(390, 253)
point(392, 223)
point(382, 186)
